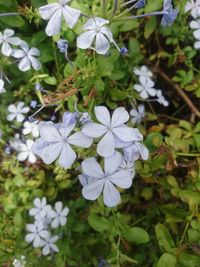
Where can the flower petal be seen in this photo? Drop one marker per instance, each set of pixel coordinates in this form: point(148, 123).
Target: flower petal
point(92, 191)
point(49, 133)
point(94, 130)
point(102, 115)
point(112, 163)
point(92, 168)
point(121, 179)
point(125, 133)
point(67, 156)
point(102, 44)
point(50, 153)
point(119, 117)
point(47, 11)
point(106, 146)
point(71, 16)
point(86, 39)
point(111, 196)
point(54, 24)
point(6, 49)
point(80, 139)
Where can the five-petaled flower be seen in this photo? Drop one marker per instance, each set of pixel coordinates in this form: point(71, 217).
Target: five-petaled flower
point(97, 36)
point(105, 180)
point(194, 7)
point(6, 40)
point(25, 152)
point(27, 57)
point(41, 209)
point(31, 128)
point(55, 12)
point(16, 112)
point(59, 215)
point(37, 232)
point(55, 142)
point(145, 88)
point(48, 244)
point(110, 128)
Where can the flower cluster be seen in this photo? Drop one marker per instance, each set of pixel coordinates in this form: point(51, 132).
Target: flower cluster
point(194, 8)
point(112, 134)
point(20, 262)
point(145, 87)
point(46, 219)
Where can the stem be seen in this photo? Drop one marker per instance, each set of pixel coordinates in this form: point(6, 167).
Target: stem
point(9, 14)
point(115, 7)
point(188, 154)
point(181, 93)
point(184, 233)
point(157, 13)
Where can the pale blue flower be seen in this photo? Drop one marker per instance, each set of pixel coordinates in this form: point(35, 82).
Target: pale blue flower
point(169, 13)
point(58, 215)
point(69, 117)
point(137, 114)
point(105, 180)
point(63, 45)
point(109, 129)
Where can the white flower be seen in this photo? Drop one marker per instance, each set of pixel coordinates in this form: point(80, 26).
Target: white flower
point(161, 99)
point(97, 36)
point(195, 24)
point(7, 39)
point(197, 43)
point(55, 142)
point(137, 114)
point(54, 13)
point(25, 152)
point(145, 88)
point(31, 128)
point(194, 6)
point(2, 89)
point(135, 150)
point(16, 142)
point(110, 129)
point(143, 71)
point(19, 263)
point(58, 215)
point(27, 57)
point(48, 244)
point(104, 180)
point(37, 232)
point(41, 209)
point(16, 112)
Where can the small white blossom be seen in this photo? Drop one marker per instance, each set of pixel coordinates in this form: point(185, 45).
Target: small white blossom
point(161, 99)
point(194, 7)
point(27, 57)
point(20, 263)
point(97, 36)
point(105, 180)
point(2, 89)
point(14, 144)
point(6, 40)
point(41, 209)
point(55, 142)
point(48, 244)
point(145, 88)
point(143, 71)
point(55, 12)
point(25, 152)
point(37, 233)
point(110, 128)
point(59, 215)
point(128, 165)
point(31, 128)
point(16, 112)
point(137, 114)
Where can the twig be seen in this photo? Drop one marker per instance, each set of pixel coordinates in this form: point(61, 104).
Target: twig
point(181, 93)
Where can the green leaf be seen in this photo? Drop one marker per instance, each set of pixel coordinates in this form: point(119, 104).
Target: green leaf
point(136, 235)
point(167, 260)
point(13, 21)
point(98, 223)
point(150, 27)
point(50, 80)
point(164, 238)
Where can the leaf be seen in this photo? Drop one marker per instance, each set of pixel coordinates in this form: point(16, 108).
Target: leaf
point(136, 235)
point(150, 27)
point(164, 238)
point(50, 80)
point(13, 21)
point(167, 260)
point(98, 223)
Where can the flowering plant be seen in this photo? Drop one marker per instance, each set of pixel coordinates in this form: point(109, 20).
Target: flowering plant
point(100, 133)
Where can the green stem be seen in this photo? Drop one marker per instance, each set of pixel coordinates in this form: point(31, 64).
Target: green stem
point(188, 154)
point(184, 233)
point(56, 60)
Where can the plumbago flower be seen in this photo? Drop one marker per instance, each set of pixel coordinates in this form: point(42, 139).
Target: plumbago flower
point(58, 215)
point(48, 244)
point(128, 165)
point(161, 99)
point(56, 141)
point(169, 13)
point(41, 209)
point(55, 12)
point(97, 36)
point(36, 233)
point(19, 262)
point(110, 128)
point(105, 180)
point(16, 112)
point(27, 57)
point(194, 7)
point(6, 40)
point(25, 152)
point(143, 71)
point(31, 128)
point(2, 89)
point(145, 88)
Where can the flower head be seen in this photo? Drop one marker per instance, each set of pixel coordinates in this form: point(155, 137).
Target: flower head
point(41, 209)
point(137, 114)
point(48, 244)
point(169, 13)
point(36, 234)
point(105, 180)
point(25, 152)
point(27, 57)
point(59, 215)
point(6, 40)
point(56, 141)
point(145, 88)
point(110, 128)
point(143, 71)
point(161, 99)
point(62, 45)
point(55, 12)
point(97, 36)
point(16, 112)
point(31, 128)
point(194, 7)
